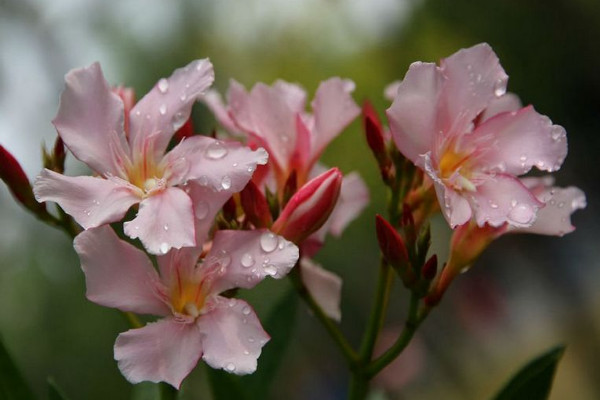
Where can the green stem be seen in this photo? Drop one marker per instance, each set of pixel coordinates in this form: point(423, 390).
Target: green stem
point(377, 316)
point(413, 321)
point(333, 330)
point(359, 386)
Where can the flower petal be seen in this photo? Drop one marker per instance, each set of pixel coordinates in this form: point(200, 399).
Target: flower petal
point(207, 202)
point(324, 286)
point(513, 142)
point(505, 103)
point(334, 109)
point(221, 165)
point(90, 120)
point(168, 105)
point(164, 220)
point(503, 198)
point(354, 197)
point(413, 114)
point(163, 351)
point(232, 336)
point(90, 201)
point(555, 218)
point(474, 77)
point(248, 257)
point(214, 102)
point(118, 275)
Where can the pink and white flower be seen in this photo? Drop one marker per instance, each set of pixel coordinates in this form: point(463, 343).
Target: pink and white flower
point(197, 322)
point(457, 124)
point(127, 150)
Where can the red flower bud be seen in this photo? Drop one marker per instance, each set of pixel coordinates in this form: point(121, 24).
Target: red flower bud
point(309, 207)
point(376, 140)
point(255, 206)
point(430, 268)
point(13, 175)
point(186, 130)
point(391, 243)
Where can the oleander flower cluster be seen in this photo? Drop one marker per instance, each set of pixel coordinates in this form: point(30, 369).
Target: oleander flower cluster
point(172, 223)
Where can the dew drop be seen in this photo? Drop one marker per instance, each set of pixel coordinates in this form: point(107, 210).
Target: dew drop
point(178, 120)
point(271, 270)
point(268, 242)
point(88, 212)
point(523, 158)
point(521, 214)
point(251, 339)
point(226, 182)
point(578, 203)
point(164, 247)
point(203, 180)
point(183, 97)
point(246, 352)
point(216, 150)
point(163, 109)
point(251, 168)
point(561, 204)
point(163, 85)
point(492, 204)
point(246, 310)
point(557, 133)
point(552, 202)
point(247, 260)
point(230, 367)
point(201, 210)
point(499, 88)
point(513, 203)
point(166, 227)
point(234, 164)
point(264, 156)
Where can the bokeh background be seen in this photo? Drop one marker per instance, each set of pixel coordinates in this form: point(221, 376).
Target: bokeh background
point(525, 295)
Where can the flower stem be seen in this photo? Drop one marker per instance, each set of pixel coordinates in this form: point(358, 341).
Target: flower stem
point(332, 329)
point(413, 321)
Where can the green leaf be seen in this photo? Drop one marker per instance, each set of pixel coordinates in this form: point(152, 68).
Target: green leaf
point(224, 386)
point(279, 324)
point(55, 392)
point(534, 380)
point(12, 383)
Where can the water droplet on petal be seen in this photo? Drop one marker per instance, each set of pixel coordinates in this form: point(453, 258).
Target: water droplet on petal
point(164, 247)
point(226, 182)
point(557, 133)
point(225, 259)
point(203, 180)
point(246, 310)
point(201, 210)
point(183, 97)
point(251, 339)
point(234, 164)
point(271, 270)
point(246, 352)
point(166, 227)
point(251, 168)
point(521, 214)
point(163, 109)
point(163, 85)
point(268, 242)
point(492, 204)
point(561, 204)
point(513, 203)
point(499, 87)
point(230, 367)
point(247, 260)
point(264, 156)
point(578, 202)
point(178, 120)
point(215, 150)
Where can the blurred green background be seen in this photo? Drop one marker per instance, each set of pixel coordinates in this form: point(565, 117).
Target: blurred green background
point(524, 295)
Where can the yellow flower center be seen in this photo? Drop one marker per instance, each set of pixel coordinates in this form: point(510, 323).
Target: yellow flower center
point(187, 297)
point(454, 169)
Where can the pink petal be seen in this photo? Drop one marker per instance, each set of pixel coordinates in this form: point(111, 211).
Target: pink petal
point(334, 109)
point(513, 142)
point(274, 122)
point(503, 198)
point(413, 115)
point(221, 165)
point(240, 106)
point(391, 90)
point(207, 202)
point(232, 336)
point(118, 275)
point(293, 95)
point(90, 201)
point(90, 120)
point(457, 209)
point(248, 257)
point(324, 286)
point(164, 220)
point(505, 103)
point(214, 102)
point(178, 264)
point(555, 218)
point(168, 105)
point(473, 78)
point(163, 351)
point(354, 197)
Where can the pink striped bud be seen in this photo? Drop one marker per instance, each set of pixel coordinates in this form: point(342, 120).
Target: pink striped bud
point(309, 207)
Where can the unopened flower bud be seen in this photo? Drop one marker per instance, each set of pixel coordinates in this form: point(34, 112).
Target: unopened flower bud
point(429, 269)
point(376, 140)
point(309, 207)
point(13, 175)
point(391, 244)
point(255, 206)
point(55, 160)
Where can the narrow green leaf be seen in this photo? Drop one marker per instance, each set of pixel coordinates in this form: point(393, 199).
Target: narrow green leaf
point(12, 383)
point(280, 325)
point(534, 380)
point(54, 391)
point(224, 386)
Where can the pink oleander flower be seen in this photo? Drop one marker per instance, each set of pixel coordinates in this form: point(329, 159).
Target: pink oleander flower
point(457, 124)
point(197, 322)
point(178, 191)
point(470, 240)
